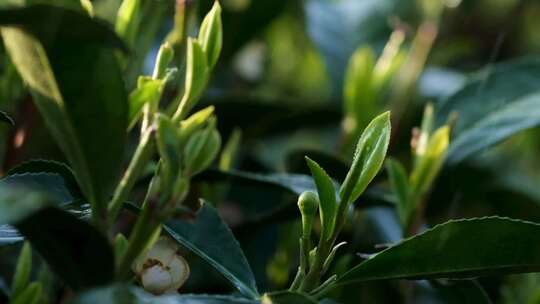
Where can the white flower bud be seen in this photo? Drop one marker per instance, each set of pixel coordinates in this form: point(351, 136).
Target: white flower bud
point(161, 269)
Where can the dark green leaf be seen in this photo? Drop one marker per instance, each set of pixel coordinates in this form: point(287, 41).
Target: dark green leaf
point(453, 292)
point(52, 184)
point(286, 297)
point(457, 249)
point(120, 294)
point(49, 166)
point(493, 105)
point(327, 198)
point(292, 183)
point(68, 60)
point(211, 239)
point(79, 254)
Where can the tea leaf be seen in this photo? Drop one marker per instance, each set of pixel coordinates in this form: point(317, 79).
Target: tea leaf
point(401, 188)
point(31, 295)
point(457, 249)
point(210, 238)
point(128, 20)
point(211, 34)
point(493, 105)
point(147, 91)
point(73, 73)
point(358, 90)
point(78, 253)
point(368, 158)
point(327, 198)
point(40, 166)
point(21, 276)
point(168, 145)
point(80, 256)
point(196, 78)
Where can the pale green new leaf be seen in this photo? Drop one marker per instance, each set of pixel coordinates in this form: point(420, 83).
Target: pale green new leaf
point(327, 198)
point(401, 188)
point(194, 122)
point(196, 78)
point(21, 276)
point(211, 34)
point(147, 91)
point(168, 145)
point(368, 158)
point(357, 90)
point(128, 20)
point(430, 163)
point(31, 295)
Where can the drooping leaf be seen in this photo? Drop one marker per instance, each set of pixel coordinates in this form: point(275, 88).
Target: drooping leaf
point(286, 297)
point(69, 62)
point(120, 294)
point(457, 249)
point(211, 239)
point(368, 158)
point(493, 105)
point(327, 198)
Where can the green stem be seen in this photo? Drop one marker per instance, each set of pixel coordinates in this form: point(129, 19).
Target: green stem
point(144, 229)
point(142, 155)
point(324, 249)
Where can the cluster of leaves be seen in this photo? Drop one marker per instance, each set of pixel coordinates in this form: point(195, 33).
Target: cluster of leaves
point(145, 158)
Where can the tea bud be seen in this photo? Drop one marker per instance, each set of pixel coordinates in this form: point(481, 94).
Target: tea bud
point(308, 203)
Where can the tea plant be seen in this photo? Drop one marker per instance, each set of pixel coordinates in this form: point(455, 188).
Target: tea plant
point(141, 211)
